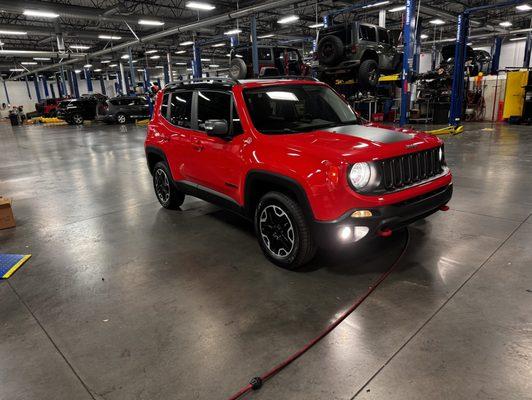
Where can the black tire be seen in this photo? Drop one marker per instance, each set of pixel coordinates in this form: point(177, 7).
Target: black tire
point(276, 216)
point(238, 69)
point(330, 50)
point(164, 187)
point(121, 118)
point(77, 119)
point(368, 74)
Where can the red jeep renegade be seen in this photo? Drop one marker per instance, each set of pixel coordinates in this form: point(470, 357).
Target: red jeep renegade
point(291, 155)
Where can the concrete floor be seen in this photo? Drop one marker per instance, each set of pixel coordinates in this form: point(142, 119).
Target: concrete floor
point(125, 300)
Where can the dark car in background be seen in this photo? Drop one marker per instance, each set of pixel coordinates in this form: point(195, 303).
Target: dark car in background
point(76, 111)
point(273, 61)
point(357, 51)
point(123, 109)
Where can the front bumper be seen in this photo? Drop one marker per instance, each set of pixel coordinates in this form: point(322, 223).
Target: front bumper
point(383, 219)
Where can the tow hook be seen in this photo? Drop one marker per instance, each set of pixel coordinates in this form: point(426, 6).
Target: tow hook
point(384, 232)
point(444, 208)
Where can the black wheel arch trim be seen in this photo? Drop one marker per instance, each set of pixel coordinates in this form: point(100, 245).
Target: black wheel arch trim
point(158, 152)
point(278, 180)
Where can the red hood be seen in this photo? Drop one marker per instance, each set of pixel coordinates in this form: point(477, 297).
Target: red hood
point(360, 142)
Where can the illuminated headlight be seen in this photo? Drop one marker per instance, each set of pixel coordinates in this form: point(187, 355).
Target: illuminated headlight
point(359, 175)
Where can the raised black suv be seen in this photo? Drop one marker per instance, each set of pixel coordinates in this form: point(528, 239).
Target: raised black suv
point(123, 109)
point(273, 61)
point(357, 51)
point(75, 111)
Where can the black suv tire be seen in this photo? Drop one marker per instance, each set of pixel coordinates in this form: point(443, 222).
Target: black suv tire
point(368, 73)
point(164, 187)
point(77, 119)
point(330, 50)
point(281, 223)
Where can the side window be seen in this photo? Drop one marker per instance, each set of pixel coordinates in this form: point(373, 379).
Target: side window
point(140, 101)
point(265, 54)
point(213, 105)
point(180, 108)
point(164, 105)
point(368, 33)
point(383, 36)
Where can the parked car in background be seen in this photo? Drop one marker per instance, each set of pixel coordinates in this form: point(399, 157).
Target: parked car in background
point(47, 107)
point(273, 61)
point(122, 109)
point(357, 51)
point(76, 111)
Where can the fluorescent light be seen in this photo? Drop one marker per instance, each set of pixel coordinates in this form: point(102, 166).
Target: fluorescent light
point(205, 59)
point(505, 23)
point(23, 52)
point(287, 20)
point(233, 32)
point(77, 71)
point(113, 65)
point(140, 70)
point(181, 52)
point(437, 21)
point(28, 63)
point(79, 47)
point(218, 45)
point(381, 3)
point(2, 32)
point(524, 7)
point(151, 51)
point(156, 57)
point(213, 66)
point(150, 22)
point(180, 63)
point(105, 61)
point(42, 58)
point(518, 38)
point(197, 5)
point(268, 35)
point(159, 66)
point(87, 66)
point(109, 37)
point(98, 70)
point(44, 14)
point(187, 43)
point(17, 69)
point(316, 25)
point(125, 56)
point(423, 36)
point(395, 9)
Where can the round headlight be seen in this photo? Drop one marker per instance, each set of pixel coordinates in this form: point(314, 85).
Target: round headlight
point(359, 175)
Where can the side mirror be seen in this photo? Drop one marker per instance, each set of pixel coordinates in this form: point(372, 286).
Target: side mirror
point(216, 127)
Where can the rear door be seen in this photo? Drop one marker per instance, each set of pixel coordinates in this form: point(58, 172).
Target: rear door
point(141, 108)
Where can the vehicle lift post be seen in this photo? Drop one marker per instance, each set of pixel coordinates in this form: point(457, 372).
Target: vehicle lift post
point(254, 48)
point(37, 88)
point(102, 85)
point(497, 44)
point(196, 60)
point(75, 83)
point(408, 30)
point(457, 91)
point(27, 86)
point(5, 90)
point(528, 49)
point(131, 70)
point(88, 79)
point(45, 86)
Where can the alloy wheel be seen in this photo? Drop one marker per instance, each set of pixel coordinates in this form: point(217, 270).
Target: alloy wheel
point(162, 186)
point(121, 119)
point(277, 231)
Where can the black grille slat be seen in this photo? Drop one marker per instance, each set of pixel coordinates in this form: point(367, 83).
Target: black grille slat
point(409, 169)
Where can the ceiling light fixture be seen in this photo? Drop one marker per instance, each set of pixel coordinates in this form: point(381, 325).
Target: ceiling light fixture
point(380, 3)
point(198, 5)
point(268, 35)
point(77, 71)
point(151, 51)
point(517, 38)
point(150, 22)
point(205, 59)
point(287, 20)
point(98, 70)
point(79, 47)
point(113, 65)
point(524, 7)
point(3, 32)
point(187, 43)
point(109, 37)
point(105, 61)
point(87, 66)
point(17, 69)
point(125, 57)
point(320, 25)
point(213, 66)
point(180, 63)
point(29, 63)
point(181, 52)
point(437, 21)
point(395, 9)
point(505, 24)
point(233, 32)
point(42, 58)
point(156, 57)
point(43, 14)
point(218, 45)
point(423, 36)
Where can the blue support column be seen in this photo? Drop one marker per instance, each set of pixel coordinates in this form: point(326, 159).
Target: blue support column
point(457, 91)
point(254, 48)
point(196, 61)
point(102, 85)
point(166, 75)
point(75, 84)
point(131, 70)
point(408, 27)
point(27, 86)
point(528, 49)
point(52, 90)
point(5, 90)
point(37, 89)
point(88, 79)
point(496, 55)
point(59, 85)
point(63, 81)
point(45, 86)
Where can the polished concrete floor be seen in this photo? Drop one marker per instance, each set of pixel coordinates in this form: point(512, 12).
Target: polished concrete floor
point(125, 300)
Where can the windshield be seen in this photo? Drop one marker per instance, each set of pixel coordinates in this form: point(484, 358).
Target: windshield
point(296, 108)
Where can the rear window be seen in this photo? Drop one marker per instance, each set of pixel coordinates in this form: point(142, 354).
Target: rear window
point(265, 54)
point(181, 108)
point(383, 36)
point(367, 32)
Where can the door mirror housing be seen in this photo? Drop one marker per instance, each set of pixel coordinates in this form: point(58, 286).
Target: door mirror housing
point(216, 127)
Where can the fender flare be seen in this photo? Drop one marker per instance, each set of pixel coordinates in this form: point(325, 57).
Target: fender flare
point(158, 152)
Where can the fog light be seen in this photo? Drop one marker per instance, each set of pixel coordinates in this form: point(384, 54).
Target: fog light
point(360, 232)
point(361, 214)
point(345, 233)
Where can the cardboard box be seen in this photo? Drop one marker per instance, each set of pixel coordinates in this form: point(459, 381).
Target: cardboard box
point(7, 220)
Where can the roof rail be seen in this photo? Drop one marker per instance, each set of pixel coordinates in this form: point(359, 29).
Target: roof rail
point(295, 77)
point(211, 79)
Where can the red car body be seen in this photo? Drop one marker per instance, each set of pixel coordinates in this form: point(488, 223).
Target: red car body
point(313, 165)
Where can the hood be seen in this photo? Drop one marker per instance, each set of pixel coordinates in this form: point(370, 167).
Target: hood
point(361, 142)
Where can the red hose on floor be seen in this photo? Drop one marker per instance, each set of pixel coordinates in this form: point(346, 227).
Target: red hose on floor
point(256, 383)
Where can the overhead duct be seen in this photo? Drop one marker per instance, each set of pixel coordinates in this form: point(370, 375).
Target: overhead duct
point(193, 26)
